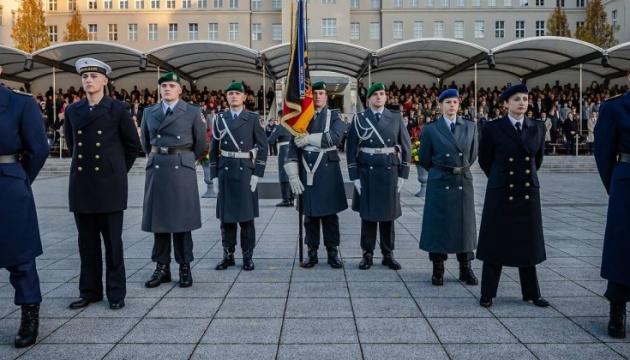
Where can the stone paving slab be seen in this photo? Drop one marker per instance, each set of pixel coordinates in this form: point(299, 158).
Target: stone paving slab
point(281, 311)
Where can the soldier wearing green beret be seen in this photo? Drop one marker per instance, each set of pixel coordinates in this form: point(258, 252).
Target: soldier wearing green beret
point(379, 152)
point(321, 173)
point(173, 137)
point(238, 155)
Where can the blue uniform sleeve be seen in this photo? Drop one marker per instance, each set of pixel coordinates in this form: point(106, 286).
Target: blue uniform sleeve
point(426, 148)
point(405, 150)
point(260, 141)
point(34, 140)
point(352, 150)
point(129, 137)
point(605, 147)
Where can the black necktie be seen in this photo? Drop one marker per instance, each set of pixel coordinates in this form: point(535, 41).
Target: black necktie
point(453, 127)
point(518, 127)
point(378, 117)
point(168, 112)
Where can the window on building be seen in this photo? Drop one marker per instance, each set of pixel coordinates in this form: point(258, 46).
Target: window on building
point(460, 3)
point(520, 29)
point(429, 3)
point(276, 32)
point(354, 4)
point(355, 31)
point(193, 31)
point(92, 5)
point(507, 3)
point(153, 32)
point(475, 3)
point(438, 29)
point(1, 9)
point(107, 4)
point(202, 4)
point(326, 2)
point(375, 4)
point(139, 4)
point(256, 4)
point(112, 32)
point(480, 29)
point(579, 3)
point(72, 5)
point(329, 27)
point(540, 2)
point(444, 3)
point(414, 3)
point(397, 30)
point(155, 4)
point(123, 4)
point(492, 3)
point(213, 31)
point(233, 31)
point(579, 24)
point(186, 4)
point(540, 27)
point(418, 29)
point(52, 6)
point(233, 4)
point(172, 31)
point(276, 4)
point(458, 30)
point(92, 32)
point(375, 31)
point(614, 19)
point(132, 32)
point(52, 33)
point(398, 3)
point(560, 3)
point(218, 4)
point(170, 4)
point(523, 2)
point(256, 32)
point(499, 29)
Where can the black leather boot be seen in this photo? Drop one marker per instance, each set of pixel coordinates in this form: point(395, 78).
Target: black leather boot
point(228, 260)
point(29, 325)
point(185, 276)
point(284, 203)
point(248, 263)
point(617, 323)
point(466, 273)
point(366, 262)
point(438, 273)
point(485, 301)
point(312, 259)
point(390, 262)
point(333, 258)
point(162, 274)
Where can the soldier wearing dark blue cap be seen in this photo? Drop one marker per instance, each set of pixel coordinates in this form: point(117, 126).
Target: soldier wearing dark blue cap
point(23, 151)
point(379, 152)
point(511, 232)
point(448, 147)
point(612, 154)
point(238, 157)
point(103, 142)
point(324, 195)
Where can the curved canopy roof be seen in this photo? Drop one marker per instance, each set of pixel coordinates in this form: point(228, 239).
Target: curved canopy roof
point(437, 57)
point(198, 59)
point(13, 62)
point(324, 55)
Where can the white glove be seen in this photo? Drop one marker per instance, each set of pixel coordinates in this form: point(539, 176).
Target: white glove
point(314, 139)
point(253, 182)
point(291, 169)
point(301, 141)
point(254, 153)
point(357, 185)
point(215, 185)
point(401, 182)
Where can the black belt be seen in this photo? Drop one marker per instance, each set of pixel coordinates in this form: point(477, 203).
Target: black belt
point(625, 158)
point(8, 159)
point(455, 170)
point(165, 150)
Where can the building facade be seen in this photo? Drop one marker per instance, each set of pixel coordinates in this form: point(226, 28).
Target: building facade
point(259, 24)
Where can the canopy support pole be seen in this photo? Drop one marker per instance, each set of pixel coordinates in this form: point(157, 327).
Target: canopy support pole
point(158, 88)
point(54, 106)
point(475, 109)
point(264, 104)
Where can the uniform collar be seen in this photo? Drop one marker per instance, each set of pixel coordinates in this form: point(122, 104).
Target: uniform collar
point(514, 120)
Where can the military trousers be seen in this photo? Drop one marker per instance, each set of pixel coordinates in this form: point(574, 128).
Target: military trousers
point(617, 292)
point(329, 225)
point(91, 227)
point(24, 279)
point(368, 236)
point(491, 273)
point(461, 257)
point(248, 235)
point(182, 245)
point(285, 188)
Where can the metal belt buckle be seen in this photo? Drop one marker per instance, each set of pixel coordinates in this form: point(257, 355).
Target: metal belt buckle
point(378, 151)
point(457, 170)
point(230, 154)
point(163, 150)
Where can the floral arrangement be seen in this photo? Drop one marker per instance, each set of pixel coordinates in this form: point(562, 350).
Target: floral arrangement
point(415, 150)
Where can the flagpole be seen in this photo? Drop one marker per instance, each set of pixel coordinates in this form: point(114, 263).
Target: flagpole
point(300, 198)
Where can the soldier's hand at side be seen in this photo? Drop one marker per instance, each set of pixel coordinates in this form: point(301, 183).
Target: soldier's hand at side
point(215, 185)
point(357, 185)
point(291, 169)
point(253, 182)
point(401, 182)
point(301, 141)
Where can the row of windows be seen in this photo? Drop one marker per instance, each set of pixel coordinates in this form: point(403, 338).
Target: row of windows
point(376, 4)
point(169, 4)
point(173, 32)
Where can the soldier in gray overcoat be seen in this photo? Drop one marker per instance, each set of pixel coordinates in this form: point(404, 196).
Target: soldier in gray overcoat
point(174, 137)
point(238, 156)
point(378, 151)
point(448, 147)
point(324, 194)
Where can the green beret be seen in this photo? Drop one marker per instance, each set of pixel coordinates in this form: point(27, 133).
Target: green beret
point(320, 85)
point(169, 76)
point(374, 88)
point(235, 86)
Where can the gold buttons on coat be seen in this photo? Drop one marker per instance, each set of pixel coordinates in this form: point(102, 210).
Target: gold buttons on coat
point(98, 144)
point(526, 197)
point(79, 144)
point(511, 198)
point(526, 184)
point(97, 157)
point(97, 168)
point(80, 168)
point(511, 172)
point(99, 132)
point(80, 156)
point(527, 171)
point(511, 186)
point(526, 158)
point(511, 159)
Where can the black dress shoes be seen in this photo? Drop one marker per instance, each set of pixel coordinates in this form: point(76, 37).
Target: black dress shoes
point(466, 273)
point(390, 262)
point(248, 263)
point(29, 326)
point(162, 274)
point(284, 203)
point(437, 278)
point(366, 262)
point(228, 260)
point(185, 276)
point(485, 301)
point(312, 259)
point(333, 258)
point(617, 322)
point(540, 302)
point(117, 305)
point(81, 303)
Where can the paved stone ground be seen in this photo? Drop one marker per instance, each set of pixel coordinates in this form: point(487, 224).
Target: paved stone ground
point(281, 311)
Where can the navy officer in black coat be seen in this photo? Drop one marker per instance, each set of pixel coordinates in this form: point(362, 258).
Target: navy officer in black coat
point(104, 143)
point(612, 155)
point(379, 151)
point(23, 151)
point(511, 232)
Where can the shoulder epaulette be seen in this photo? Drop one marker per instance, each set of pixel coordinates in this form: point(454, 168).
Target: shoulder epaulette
point(21, 92)
point(613, 97)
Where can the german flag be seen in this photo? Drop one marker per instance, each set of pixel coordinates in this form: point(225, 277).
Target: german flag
point(298, 108)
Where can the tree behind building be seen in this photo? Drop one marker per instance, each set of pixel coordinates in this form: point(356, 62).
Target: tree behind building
point(29, 30)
